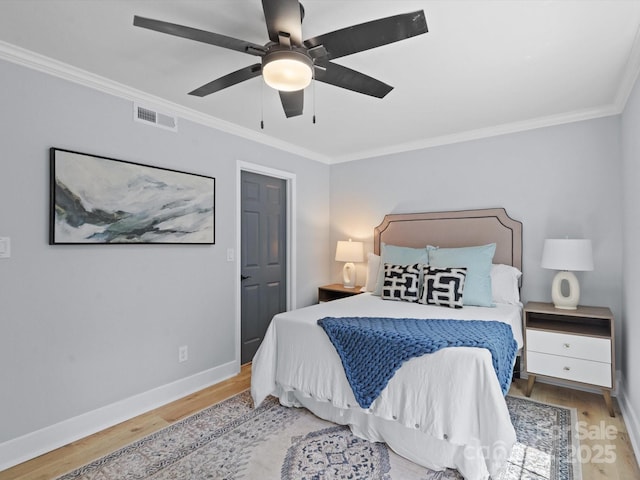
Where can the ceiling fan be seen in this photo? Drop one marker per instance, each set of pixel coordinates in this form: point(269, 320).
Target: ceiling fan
point(289, 63)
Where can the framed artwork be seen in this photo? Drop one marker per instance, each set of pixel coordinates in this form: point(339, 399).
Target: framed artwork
point(103, 200)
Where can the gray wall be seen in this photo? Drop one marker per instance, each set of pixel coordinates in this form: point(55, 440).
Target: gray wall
point(631, 285)
point(82, 327)
point(563, 180)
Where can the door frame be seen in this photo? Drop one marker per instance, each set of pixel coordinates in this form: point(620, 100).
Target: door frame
point(290, 179)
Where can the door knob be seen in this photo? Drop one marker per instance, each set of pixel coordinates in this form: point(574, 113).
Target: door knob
point(244, 277)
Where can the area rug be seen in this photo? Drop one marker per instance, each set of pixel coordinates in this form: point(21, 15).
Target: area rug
point(232, 440)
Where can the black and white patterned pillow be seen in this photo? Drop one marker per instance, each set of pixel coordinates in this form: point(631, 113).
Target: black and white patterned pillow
point(401, 282)
point(443, 286)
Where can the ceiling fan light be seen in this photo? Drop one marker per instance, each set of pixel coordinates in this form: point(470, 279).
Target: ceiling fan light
point(287, 70)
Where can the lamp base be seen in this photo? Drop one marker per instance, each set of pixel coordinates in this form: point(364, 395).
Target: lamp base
point(349, 275)
point(568, 302)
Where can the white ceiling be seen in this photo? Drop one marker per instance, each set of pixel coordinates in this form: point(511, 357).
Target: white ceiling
point(484, 68)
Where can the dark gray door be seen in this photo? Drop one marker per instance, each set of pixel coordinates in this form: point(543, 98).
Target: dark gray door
point(263, 257)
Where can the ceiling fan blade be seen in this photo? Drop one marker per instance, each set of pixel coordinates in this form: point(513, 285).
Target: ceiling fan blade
point(200, 35)
point(344, 77)
point(292, 102)
point(283, 16)
point(228, 80)
point(365, 36)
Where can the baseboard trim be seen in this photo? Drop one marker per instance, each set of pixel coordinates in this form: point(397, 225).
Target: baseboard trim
point(630, 417)
point(31, 445)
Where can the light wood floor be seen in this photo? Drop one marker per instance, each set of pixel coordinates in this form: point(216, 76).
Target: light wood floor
point(590, 407)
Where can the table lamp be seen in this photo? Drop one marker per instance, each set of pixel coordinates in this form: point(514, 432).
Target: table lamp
point(349, 252)
point(567, 255)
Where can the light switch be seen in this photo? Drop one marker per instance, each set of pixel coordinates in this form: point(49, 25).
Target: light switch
point(5, 247)
point(230, 255)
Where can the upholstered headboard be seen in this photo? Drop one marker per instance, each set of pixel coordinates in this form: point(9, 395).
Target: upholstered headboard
point(455, 229)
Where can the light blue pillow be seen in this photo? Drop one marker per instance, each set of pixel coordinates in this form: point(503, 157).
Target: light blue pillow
point(477, 261)
point(398, 256)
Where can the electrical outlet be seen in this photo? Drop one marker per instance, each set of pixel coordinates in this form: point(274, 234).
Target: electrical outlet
point(183, 354)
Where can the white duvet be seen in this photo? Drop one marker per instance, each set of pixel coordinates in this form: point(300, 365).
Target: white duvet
point(441, 410)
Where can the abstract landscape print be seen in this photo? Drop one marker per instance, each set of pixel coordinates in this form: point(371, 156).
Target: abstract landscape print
point(102, 200)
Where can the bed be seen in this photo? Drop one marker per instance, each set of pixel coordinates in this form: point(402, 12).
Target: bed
point(441, 410)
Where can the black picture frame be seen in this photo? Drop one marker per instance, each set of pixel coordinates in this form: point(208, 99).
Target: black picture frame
point(102, 200)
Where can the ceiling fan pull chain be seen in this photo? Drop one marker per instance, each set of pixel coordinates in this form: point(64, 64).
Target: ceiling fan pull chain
point(262, 106)
point(313, 87)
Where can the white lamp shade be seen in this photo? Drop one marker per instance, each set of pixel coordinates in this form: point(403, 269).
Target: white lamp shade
point(567, 254)
point(349, 251)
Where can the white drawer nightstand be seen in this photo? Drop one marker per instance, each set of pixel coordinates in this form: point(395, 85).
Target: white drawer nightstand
point(576, 346)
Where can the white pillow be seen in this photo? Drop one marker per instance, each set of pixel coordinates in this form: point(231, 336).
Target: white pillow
point(504, 284)
point(373, 265)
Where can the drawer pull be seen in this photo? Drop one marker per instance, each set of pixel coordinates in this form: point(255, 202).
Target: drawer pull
point(566, 345)
point(567, 369)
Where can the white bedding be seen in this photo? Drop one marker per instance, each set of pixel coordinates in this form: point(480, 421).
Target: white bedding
point(440, 410)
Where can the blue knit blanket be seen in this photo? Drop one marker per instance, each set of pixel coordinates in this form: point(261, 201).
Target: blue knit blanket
point(372, 349)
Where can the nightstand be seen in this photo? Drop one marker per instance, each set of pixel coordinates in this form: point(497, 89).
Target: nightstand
point(576, 346)
point(336, 291)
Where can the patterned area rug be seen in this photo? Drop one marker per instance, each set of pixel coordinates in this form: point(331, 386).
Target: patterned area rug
point(231, 440)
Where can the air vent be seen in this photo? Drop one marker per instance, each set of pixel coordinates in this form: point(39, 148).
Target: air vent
point(153, 117)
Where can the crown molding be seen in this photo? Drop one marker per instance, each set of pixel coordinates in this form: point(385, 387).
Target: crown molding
point(41, 63)
point(35, 61)
point(630, 74)
point(628, 81)
point(494, 131)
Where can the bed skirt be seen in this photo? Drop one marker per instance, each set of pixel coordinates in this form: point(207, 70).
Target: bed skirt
point(473, 462)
